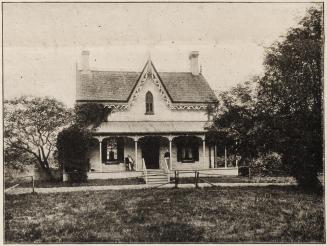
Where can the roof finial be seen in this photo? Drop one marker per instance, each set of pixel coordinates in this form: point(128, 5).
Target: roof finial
point(149, 67)
point(149, 55)
point(201, 68)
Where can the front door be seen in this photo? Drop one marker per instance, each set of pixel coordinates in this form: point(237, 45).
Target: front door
point(150, 153)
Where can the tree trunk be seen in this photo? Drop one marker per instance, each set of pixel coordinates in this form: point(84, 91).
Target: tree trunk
point(45, 167)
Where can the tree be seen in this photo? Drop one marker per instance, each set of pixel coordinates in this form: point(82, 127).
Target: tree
point(234, 124)
point(90, 114)
point(16, 159)
point(290, 98)
point(74, 142)
point(31, 125)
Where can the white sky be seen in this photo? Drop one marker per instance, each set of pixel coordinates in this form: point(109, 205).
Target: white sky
point(42, 42)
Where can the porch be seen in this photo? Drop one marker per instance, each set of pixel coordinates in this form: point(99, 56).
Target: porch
point(188, 153)
point(161, 145)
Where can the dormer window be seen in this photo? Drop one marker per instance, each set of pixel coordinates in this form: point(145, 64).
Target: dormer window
point(149, 103)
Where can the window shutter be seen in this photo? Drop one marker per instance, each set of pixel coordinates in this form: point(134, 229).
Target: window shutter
point(179, 153)
point(120, 149)
point(104, 151)
point(196, 151)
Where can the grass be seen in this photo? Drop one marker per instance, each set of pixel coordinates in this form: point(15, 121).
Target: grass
point(95, 182)
point(135, 181)
point(239, 214)
point(239, 179)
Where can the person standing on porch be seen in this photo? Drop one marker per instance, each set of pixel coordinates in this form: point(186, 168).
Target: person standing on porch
point(167, 156)
point(129, 163)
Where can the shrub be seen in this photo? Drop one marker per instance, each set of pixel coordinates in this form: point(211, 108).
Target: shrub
point(269, 164)
point(73, 146)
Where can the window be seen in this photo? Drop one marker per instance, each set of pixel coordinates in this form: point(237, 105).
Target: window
point(188, 152)
point(149, 103)
point(112, 150)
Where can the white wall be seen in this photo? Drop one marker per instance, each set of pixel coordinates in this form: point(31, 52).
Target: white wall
point(161, 111)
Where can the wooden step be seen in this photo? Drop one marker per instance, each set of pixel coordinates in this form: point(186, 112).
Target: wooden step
point(156, 177)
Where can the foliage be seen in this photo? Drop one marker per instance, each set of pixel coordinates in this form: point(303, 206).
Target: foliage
point(234, 126)
point(73, 146)
point(290, 98)
point(31, 125)
point(90, 114)
point(17, 159)
point(75, 142)
point(281, 111)
point(269, 164)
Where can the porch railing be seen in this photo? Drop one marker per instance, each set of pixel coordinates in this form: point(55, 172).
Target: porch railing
point(167, 171)
point(145, 172)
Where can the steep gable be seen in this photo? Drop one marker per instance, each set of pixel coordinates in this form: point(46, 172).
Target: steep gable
point(119, 86)
point(106, 86)
point(185, 87)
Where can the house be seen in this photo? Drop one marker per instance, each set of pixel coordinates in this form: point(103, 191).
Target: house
point(154, 115)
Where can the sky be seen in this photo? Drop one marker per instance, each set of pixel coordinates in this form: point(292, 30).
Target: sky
point(43, 41)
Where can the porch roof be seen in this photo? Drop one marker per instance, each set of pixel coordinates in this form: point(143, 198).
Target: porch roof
point(143, 127)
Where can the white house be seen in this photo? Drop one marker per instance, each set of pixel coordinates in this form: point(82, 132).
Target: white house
point(154, 115)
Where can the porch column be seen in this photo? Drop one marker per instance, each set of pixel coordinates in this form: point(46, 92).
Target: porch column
point(135, 143)
point(215, 157)
point(100, 151)
point(225, 157)
point(204, 150)
point(170, 138)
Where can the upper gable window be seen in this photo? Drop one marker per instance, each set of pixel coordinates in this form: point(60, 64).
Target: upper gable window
point(149, 103)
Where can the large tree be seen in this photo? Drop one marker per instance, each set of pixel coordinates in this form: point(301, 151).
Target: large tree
point(290, 98)
point(31, 125)
point(234, 124)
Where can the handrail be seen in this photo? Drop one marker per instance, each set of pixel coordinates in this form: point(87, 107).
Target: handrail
point(167, 170)
point(166, 166)
point(145, 172)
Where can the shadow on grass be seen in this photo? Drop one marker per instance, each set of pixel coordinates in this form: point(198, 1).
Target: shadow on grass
point(174, 232)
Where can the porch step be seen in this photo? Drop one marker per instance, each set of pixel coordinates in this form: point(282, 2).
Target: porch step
point(156, 177)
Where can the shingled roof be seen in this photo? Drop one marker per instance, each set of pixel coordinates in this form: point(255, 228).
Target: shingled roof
point(118, 86)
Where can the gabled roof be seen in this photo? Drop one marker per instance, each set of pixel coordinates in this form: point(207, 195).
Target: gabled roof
point(107, 86)
point(117, 86)
point(185, 87)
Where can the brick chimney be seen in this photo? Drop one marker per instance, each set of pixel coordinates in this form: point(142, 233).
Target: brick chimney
point(85, 62)
point(194, 63)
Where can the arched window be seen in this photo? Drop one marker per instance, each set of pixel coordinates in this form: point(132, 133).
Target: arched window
point(149, 103)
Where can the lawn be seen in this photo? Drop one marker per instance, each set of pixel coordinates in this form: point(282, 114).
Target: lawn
point(92, 182)
point(136, 181)
point(239, 179)
point(235, 214)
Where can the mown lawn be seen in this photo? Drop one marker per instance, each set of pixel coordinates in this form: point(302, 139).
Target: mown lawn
point(92, 182)
point(244, 214)
point(136, 181)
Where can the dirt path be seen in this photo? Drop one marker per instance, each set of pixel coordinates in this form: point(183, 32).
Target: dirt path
point(18, 191)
